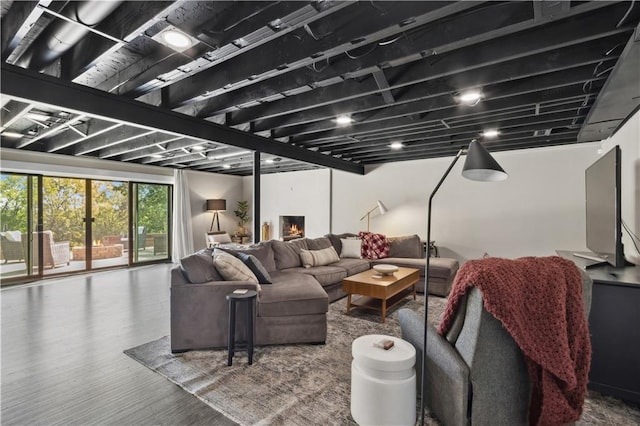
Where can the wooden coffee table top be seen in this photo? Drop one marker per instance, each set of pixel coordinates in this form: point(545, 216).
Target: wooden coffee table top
point(387, 290)
point(367, 277)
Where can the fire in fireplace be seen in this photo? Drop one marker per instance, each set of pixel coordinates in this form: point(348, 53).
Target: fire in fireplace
point(291, 227)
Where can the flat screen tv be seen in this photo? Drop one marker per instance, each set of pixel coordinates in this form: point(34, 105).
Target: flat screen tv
point(603, 206)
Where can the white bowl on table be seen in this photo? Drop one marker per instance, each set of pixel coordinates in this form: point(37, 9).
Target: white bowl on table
point(385, 269)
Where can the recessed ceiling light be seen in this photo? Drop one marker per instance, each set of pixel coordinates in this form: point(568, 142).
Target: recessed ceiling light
point(12, 134)
point(396, 145)
point(176, 39)
point(197, 148)
point(156, 156)
point(343, 120)
point(226, 166)
point(269, 161)
point(471, 97)
point(490, 133)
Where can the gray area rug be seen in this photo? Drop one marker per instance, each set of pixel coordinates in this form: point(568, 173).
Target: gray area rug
point(308, 384)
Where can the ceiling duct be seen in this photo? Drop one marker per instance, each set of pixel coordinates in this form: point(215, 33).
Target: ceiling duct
point(61, 35)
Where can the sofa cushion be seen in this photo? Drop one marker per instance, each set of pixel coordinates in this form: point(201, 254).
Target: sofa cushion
point(262, 251)
point(374, 246)
point(325, 275)
point(322, 257)
point(319, 243)
point(292, 294)
point(409, 246)
point(335, 240)
point(198, 267)
point(256, 267)
point(353, 266)
point(440, 267)
point(287, 254)
point(231, 268)
point(351, 248)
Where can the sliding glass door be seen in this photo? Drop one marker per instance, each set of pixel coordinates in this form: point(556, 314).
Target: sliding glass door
point(59, 225)
point(15, 190)
point(109, 223)
point(151, 207)
point(64, 218)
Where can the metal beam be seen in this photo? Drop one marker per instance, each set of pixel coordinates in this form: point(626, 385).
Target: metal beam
point(256, 196)
point(37, 87)
point(383, 85)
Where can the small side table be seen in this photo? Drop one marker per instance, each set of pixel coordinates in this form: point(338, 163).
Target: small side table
point(383, 382)
point(249, 299)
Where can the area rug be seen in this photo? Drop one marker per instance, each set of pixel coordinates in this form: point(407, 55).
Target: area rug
point(308, 384)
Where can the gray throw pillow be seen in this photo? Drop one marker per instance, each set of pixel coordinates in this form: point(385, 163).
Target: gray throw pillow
point(262, 251)
point(256, 267)
point(199, 268)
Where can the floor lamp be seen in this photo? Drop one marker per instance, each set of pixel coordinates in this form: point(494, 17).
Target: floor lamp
point(481, 166)
point(216, 206)
point(378, 206)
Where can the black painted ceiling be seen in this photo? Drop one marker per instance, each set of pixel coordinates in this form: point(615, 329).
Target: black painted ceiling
point(282, 71)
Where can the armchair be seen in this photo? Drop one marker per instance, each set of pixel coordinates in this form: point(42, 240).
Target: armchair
point(55, 254)
point(12, 246)
point(475, 373)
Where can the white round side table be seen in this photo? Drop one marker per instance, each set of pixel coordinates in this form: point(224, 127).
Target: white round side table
point(383, 382)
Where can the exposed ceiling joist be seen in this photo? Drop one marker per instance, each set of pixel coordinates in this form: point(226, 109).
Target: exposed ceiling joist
point(32, 86)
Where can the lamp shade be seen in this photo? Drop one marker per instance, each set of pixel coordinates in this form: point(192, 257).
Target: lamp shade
point(216, 205)
point(382, 207)
point(480, 165)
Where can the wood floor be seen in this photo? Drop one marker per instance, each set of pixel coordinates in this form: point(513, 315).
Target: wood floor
point(62, 360)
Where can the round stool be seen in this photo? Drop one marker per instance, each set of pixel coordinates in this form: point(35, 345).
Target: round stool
point(383, 382)
point(249, 298)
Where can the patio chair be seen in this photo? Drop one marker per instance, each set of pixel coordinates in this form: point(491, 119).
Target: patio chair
point(55, 254)
point(12, 246)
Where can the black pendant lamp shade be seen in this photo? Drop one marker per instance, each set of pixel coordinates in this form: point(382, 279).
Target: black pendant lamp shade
point(480, 165)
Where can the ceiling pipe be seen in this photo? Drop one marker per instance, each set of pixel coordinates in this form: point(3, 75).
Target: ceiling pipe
point(62, 35)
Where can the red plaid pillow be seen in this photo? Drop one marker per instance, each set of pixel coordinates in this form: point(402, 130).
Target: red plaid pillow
point(374, 246)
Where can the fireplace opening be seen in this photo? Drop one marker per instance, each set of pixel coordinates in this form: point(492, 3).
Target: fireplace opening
point(291, 227)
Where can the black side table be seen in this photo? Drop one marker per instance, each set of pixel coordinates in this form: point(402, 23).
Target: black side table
point(249, 297)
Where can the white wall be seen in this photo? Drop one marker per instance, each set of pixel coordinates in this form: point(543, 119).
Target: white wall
point(204, 186)
point(628, 137)
point(539, 209)
point(304, 193)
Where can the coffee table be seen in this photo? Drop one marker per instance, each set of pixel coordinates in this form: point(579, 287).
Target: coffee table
point(380, 292)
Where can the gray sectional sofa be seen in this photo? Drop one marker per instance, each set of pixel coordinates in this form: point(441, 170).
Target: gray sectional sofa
point(292, 309)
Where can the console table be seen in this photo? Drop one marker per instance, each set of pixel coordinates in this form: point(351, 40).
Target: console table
point(614, 323)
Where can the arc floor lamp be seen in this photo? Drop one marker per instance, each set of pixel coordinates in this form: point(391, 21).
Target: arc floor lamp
point(480, 166)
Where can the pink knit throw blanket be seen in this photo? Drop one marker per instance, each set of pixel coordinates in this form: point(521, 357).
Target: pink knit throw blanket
point(539, 302)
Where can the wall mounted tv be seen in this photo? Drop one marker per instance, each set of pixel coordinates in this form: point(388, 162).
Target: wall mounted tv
point(603, 207)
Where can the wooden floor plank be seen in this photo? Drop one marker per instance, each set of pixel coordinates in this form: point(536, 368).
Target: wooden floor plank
point(62, 353)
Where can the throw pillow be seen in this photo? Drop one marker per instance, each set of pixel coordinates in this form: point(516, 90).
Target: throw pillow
point(351, 248)
point(198, 267)
point(374, 246)
point(322, 257)
point(256, 267)
point(231, 268)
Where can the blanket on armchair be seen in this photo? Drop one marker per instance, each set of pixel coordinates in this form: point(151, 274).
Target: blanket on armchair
point(539, 302)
